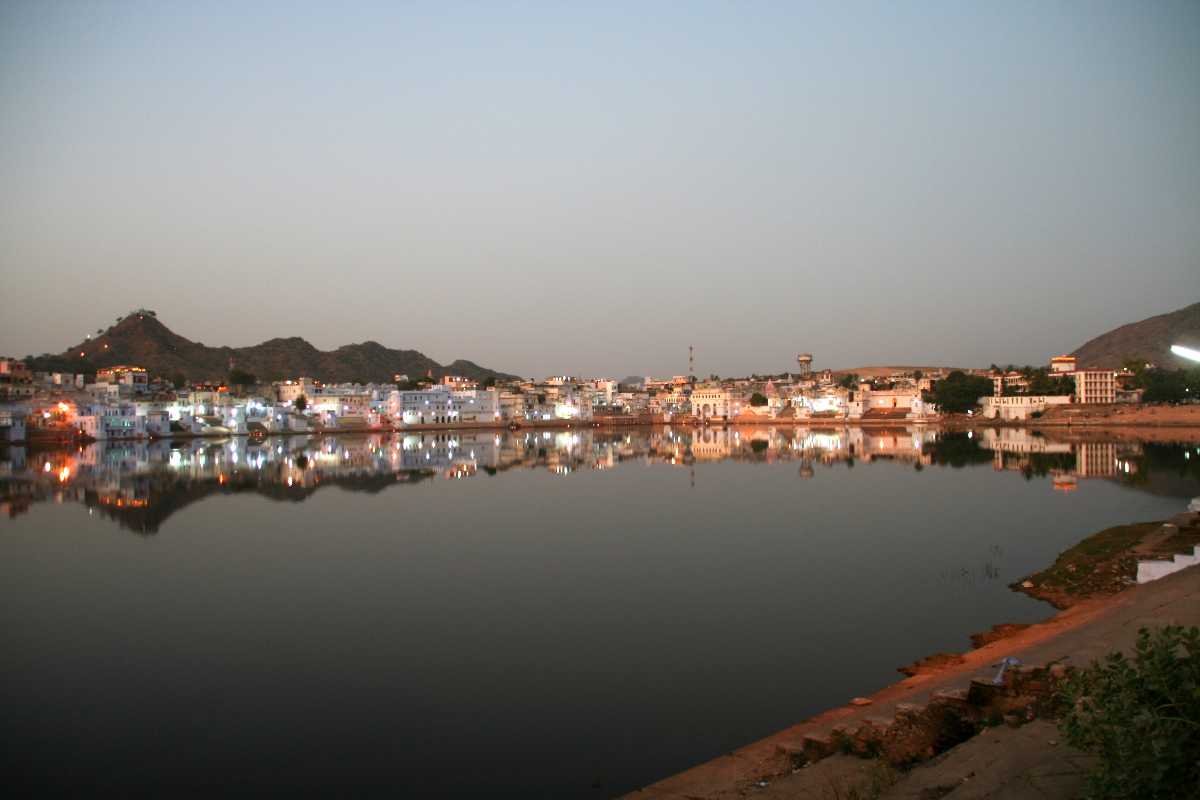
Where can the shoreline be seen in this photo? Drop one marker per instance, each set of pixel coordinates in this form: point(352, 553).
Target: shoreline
point(1071, 419)
point(1046, 649)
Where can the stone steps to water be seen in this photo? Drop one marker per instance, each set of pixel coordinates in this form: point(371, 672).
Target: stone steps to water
point(916, 732)
point(1153, 570)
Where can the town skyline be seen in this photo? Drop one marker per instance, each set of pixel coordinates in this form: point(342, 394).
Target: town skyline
point(583, 184)
point(782, 367)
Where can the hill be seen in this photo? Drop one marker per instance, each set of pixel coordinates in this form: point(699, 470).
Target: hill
point(1148, 340)
point(886, 370)
point(140, 339)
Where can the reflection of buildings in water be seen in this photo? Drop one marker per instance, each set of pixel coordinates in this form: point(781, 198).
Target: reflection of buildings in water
point(149, 474)
point(1105, 459)
point(1012, 446)
point(712, 444)
point(1023, 451)
point(908, 444)
point(1064, 482)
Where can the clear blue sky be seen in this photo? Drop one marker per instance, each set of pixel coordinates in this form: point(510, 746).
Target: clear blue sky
point(549, 188)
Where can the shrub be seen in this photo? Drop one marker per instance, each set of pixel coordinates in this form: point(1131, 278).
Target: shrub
point(1140, 716)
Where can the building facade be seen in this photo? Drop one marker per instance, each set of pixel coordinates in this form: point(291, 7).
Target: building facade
point(1095, 386)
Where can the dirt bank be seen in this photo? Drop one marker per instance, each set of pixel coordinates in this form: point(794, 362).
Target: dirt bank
point(1101, 613)
point(1105, 563)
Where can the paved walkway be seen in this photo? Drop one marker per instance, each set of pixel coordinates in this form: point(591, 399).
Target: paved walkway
point(1021, 765)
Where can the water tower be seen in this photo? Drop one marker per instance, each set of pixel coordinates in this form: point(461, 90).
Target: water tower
point(805, 362)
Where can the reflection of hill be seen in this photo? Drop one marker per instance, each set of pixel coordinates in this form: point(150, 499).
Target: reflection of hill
point(139, 485)
point(149, 516)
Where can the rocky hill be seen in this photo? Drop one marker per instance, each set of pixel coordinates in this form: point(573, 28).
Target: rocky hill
point(140, 339)
point(1148, 340)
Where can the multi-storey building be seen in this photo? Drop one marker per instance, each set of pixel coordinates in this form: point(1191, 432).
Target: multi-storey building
point(16, 381)
point(1095, 386)
point(1063, 364)
point(134, 377)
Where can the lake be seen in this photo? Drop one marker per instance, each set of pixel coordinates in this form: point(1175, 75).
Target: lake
point(550, 613)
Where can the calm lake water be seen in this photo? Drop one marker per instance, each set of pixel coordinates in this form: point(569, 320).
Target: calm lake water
point(553, 614)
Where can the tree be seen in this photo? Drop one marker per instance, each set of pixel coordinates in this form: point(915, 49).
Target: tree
point(242, 378)
point(1169, 386)
point(300, 403)
point(179, 380)
point(1139, 716)
point(489, 382)
point(958, 392)
point(917, 375)
point(848, 381)
point(757, 399)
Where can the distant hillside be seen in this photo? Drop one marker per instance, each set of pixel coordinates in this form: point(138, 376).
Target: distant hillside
point(884, 371)
point(140, 339)
point(1148, 340)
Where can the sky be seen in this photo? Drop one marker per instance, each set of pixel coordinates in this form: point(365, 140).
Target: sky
point(588, 189)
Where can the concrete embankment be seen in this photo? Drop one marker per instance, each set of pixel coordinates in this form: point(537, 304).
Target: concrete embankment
point(1147, 415)
point(943, 711)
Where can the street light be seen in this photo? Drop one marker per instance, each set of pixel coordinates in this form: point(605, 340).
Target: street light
point(1185, 352)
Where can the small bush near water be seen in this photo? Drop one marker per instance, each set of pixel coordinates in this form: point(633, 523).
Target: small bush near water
point(1141, 717)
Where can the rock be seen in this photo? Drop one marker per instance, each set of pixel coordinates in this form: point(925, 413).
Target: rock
point(861, 701)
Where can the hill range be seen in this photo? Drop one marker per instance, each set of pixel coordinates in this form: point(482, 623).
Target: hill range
point(141, 339)
point(1148, 340)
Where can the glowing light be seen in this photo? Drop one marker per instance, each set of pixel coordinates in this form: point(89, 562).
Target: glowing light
point(63, 474)
point(1185, 352)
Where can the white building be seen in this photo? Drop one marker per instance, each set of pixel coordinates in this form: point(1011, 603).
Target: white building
point(711, 402)
point(1020, 406)
point(1060, 365)
point(1095, 386)
point(104, 422)
point(441, 406)
point(12, 423)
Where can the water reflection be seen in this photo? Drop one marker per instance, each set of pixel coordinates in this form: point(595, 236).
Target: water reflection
point(140, 484)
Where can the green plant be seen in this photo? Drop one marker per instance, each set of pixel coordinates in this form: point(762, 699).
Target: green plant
point(958, 392)
point(1140, 716)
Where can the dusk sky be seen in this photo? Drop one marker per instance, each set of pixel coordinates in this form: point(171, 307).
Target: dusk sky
point(548, 188)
